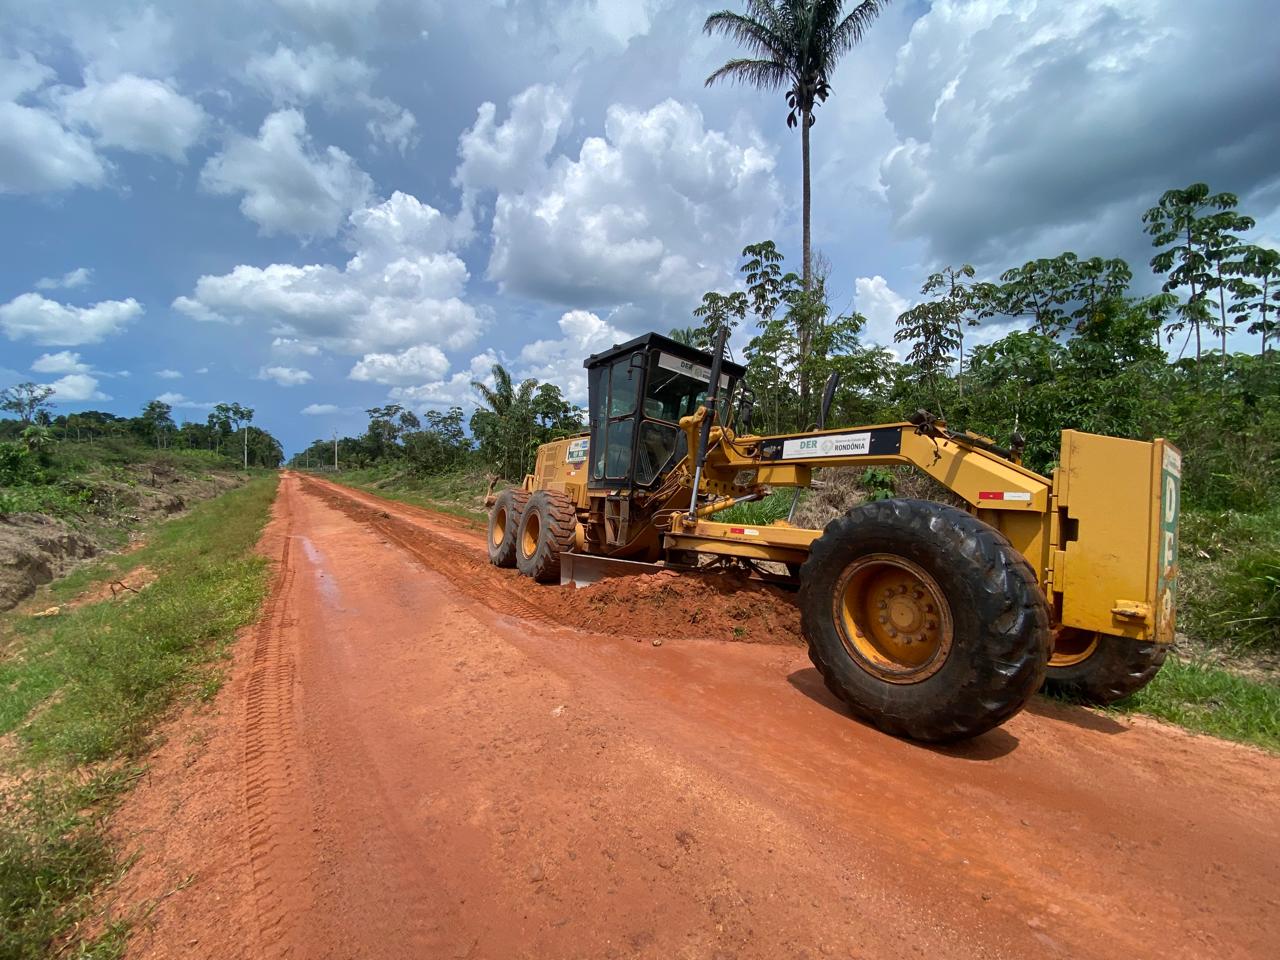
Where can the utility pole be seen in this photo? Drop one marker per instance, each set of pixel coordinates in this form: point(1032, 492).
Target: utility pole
point(246, 446)
point(335, 451)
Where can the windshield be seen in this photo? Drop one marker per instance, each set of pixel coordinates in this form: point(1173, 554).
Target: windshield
point(677, 388)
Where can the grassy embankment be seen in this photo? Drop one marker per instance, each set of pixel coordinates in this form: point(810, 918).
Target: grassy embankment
point(82, 693)
point(460, 493)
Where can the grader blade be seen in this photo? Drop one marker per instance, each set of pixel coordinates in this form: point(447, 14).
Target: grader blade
point(582, 569)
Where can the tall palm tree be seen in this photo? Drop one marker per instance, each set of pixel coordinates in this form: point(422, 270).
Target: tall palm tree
point(504, 421)
point(794, 44)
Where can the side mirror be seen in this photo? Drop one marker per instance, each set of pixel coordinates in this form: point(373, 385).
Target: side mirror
point(828, 395)
point(746, 409)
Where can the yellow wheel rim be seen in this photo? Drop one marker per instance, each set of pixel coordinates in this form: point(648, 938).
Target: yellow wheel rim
point(893, 618)
point(532, 527)
point(1072, 646)
point(498, 530)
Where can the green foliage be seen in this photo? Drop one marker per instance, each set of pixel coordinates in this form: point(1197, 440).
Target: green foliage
point(758, 513)
point(16, 464)
point(82, 692)
point(515, 420)
point(799, 342)
point(879, 483)
point(29, 401)
point(1230, 589)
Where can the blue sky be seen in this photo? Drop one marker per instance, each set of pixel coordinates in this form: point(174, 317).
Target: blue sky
point(316, 206)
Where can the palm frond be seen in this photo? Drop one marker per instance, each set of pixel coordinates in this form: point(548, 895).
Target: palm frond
point(487, 395)
point(766, 74)
point(756, 36)
point(855, 26)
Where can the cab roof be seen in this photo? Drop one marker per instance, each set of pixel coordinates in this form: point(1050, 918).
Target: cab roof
point(656, 341)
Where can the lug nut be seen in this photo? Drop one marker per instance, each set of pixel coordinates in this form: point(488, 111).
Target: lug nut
point(884, 618)
point(931, 625)
point(882, 605)
point(893, 632)
point(917, 593)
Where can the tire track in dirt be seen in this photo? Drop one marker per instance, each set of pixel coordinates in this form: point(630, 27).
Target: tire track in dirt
point(401, 765)
point(458, 563)
point(275, 838)
point(665, 605)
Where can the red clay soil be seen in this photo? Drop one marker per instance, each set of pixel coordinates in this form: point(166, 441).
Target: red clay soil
point(416, 757)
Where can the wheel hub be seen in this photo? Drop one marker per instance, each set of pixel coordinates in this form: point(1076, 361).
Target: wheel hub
point(893, 618)
point(499, 527)
point(532, 528)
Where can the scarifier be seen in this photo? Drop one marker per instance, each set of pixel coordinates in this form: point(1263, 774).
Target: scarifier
point(928, 621)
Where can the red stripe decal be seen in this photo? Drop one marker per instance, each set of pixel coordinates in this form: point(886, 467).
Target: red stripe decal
point(991, 495)
point(737, 530)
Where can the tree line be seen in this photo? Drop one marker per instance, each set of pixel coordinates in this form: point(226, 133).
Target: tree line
point(510, 421)
point(227, 429)
point(1094, 355)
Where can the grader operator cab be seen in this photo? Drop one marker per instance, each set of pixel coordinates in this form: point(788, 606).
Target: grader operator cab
point(928, 621)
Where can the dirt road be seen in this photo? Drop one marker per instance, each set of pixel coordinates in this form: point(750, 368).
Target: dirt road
point(418, 756)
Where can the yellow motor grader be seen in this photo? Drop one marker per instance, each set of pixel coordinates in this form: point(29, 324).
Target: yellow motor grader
point(929, 621)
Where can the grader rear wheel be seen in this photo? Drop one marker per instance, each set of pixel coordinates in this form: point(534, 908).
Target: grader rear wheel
point(923, 619)
point(504, 523)
point(1099, 668)
point(547, 529)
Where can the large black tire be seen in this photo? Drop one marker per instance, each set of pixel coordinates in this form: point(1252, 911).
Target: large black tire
point(999, 637)
point(547, 529)
point(1113, 669)
point(504, 525)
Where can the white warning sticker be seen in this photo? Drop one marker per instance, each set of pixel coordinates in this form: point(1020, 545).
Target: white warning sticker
point(832, 445)
point(578, 450)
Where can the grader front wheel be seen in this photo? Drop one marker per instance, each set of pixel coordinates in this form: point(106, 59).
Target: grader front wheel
point(1099, 668)
point(504, 524)
point(547, 529)
point(923, 619)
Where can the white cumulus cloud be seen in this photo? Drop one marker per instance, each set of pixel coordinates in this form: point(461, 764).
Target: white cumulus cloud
point(48, 322)
point(1027, 126)
point(179, 401)
point(651, 213)
point(402, 286)
point(64, 361)
point(319, 409)
point(511, 155)
point(287, 185)
point(76, 388)
point(285, 376)
point(421, 362)
point(135, 113)
point(560, 361)
point(38, 154)
point(881, 305)
point(456, 390)
point(78, 277)
point(319, 73)
point(168, 374)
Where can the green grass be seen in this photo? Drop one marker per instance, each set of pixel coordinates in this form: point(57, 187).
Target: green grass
point(1230, 587)
point(1210, 700)
point(458, 492)
point(759, 513)
point(82, 692)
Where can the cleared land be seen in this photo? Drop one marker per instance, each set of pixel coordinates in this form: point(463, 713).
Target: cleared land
point(419, 755)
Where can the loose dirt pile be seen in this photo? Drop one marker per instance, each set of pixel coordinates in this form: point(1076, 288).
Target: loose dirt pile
point(669, 604)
